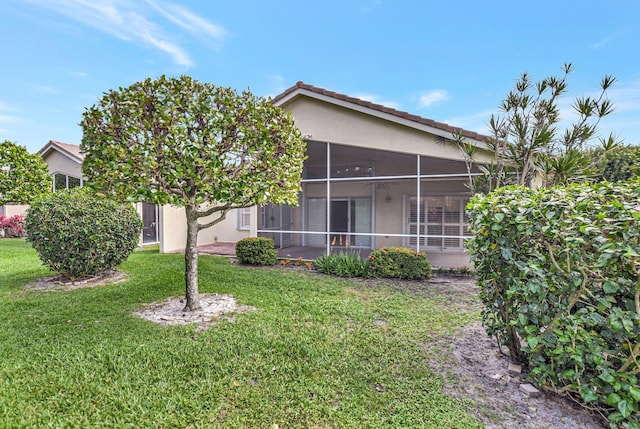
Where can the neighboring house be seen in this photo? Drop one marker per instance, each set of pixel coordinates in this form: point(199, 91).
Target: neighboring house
point(374, 177)
point(163, 225)
point(65, 166)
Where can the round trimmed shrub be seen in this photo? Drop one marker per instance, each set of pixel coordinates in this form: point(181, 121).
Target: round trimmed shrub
point(399, 262)
point(256, 251)
point(79, 234)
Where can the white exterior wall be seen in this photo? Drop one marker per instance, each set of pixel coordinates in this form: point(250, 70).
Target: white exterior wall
point(173, 229)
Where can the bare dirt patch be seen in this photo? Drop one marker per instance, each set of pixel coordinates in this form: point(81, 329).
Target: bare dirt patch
point(472, 367)
point(61, 282)
point(215, 307)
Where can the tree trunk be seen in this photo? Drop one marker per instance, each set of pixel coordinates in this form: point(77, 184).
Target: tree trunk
point(191, 261)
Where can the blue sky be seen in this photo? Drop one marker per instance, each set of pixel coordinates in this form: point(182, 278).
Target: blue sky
point(448, 61)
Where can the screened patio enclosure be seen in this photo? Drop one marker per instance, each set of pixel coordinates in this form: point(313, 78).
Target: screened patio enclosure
point(357, 199)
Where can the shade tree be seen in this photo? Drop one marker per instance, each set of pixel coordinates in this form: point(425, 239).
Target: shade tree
point(24, 176)
point(195, 145)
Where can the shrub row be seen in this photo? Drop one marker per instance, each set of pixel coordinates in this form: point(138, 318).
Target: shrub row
point(559, 272)
point(399, 262)
point(388, 262)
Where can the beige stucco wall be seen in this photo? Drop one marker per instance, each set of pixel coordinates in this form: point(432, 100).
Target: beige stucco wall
point(9, 210)
point(59, 163)
point(173, 229)
point(336, 124)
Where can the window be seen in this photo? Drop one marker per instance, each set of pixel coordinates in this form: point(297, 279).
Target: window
point(64, 181)
point(446, 221)
point(244, 218)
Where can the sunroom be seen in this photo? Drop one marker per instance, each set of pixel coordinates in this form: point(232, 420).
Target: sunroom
point(374, 177)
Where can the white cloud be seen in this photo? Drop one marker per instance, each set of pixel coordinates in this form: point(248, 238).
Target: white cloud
point(625, 96)
point(126, 20)
point(9, 118)
point(432, 97)
point(277, 84)
point(473, 122)
point(44, 89)
point(370, 6)
point(191, 22)
point(373, 98)
point(604, 41)
point(6, 108)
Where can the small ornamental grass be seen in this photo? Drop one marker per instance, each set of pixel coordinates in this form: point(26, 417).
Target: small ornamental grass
point(399, 262)
point(256, 251)
point(342, 264)
point(386, 262)
point(78, 234)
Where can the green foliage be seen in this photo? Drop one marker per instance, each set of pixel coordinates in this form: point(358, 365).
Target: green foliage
point(183, 142)
point(190, 144)
point(343, 264)
point(256, 251)
point(621, 163)
point(526, 142)
point(24, 177)
point(78, 234)
point(311, 355)
point(559, 272)
point(399, 262)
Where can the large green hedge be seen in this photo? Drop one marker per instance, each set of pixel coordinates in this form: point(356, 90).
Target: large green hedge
point(79, 234)
point(618, 164)
point(559, 272)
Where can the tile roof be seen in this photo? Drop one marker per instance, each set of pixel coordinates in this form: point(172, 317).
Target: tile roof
point(380, 108)
point(71, 150)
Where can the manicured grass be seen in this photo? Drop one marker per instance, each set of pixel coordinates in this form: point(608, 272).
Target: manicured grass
point(320, 352)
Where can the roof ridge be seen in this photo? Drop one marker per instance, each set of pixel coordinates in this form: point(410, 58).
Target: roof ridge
point(69, 149)
point(381, 108)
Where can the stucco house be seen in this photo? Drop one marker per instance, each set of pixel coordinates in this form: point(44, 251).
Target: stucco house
point(374, 177)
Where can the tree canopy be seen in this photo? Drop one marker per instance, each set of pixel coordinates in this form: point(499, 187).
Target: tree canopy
point(617, 164)
point(527, 139)
point(24, 177)
point(195, 145)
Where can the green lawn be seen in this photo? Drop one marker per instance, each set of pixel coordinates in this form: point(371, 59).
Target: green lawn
point(319, 352)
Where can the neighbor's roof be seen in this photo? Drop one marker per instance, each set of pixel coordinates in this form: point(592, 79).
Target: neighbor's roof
point(438, 128)
point(69, 150)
